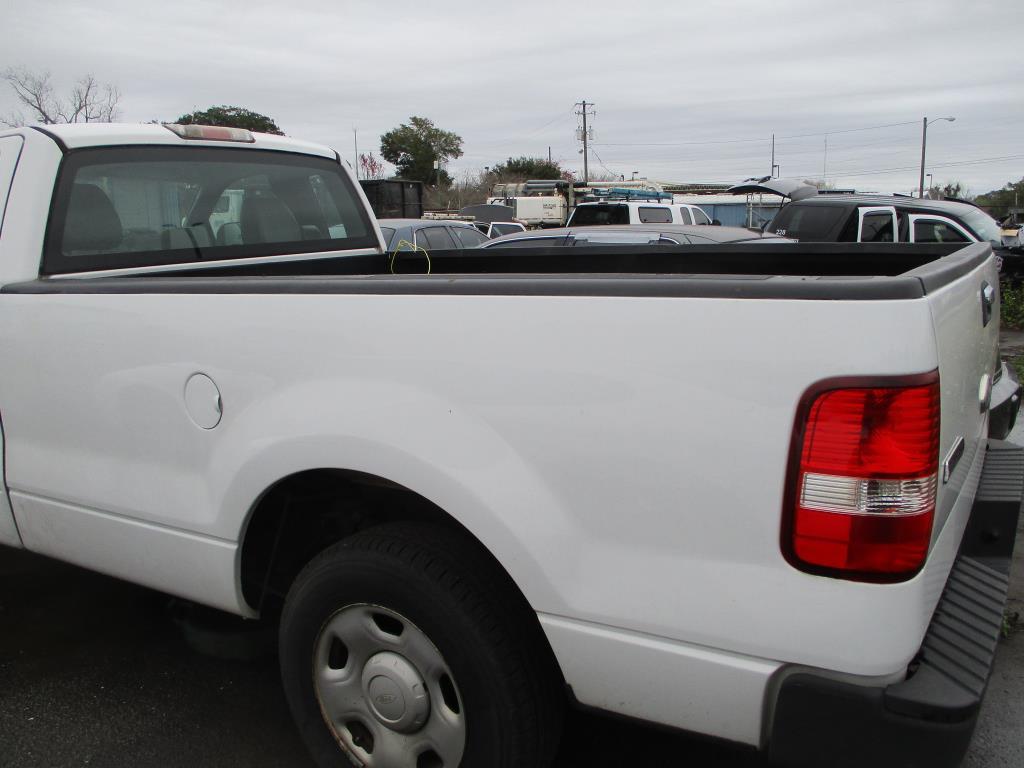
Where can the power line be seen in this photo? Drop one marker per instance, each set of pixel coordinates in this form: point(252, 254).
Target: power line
point(763, 138)
point(950, 164)
point(613, 173)
point(560, 116)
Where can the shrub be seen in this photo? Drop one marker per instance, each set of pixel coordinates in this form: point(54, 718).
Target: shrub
point(1011, 306)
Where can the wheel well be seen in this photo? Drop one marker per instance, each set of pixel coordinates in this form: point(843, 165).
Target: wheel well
point(303, 514)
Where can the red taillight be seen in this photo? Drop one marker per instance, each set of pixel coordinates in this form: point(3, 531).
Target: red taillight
point(862, 495)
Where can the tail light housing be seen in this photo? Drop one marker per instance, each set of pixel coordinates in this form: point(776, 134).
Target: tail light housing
point(860, 500)
point(210, 132)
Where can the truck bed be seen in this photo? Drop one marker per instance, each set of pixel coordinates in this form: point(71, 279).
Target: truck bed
point(764, 271)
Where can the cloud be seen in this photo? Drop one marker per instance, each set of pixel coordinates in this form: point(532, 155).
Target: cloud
point(506, 78)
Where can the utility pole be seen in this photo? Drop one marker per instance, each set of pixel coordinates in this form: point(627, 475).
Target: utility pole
point(549, 155)
point(924, 144)
point(772, 173)
point(824, 163)
point(583, 112)
point(355, 146)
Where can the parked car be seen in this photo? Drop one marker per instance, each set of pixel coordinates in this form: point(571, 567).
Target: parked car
point(812, 217)
point(469, 498)
point(498, 228)
point(631, 212)
point(884, 219)
point(633, 235)
point(862, 218)
point(439, 234)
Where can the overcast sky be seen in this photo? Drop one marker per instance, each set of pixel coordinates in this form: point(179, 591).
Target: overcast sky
point(684, 91)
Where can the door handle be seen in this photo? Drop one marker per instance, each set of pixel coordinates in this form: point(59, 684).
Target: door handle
point(988, 298)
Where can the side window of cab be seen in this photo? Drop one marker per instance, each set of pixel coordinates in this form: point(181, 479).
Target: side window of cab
point(937, 229)
point(876, 224)
point(654, 214)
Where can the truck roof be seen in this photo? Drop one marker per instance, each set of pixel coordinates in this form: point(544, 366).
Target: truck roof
point(923, 203)
point(80, 135)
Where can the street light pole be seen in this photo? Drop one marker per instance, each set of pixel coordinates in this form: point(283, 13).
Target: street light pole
point(924, 144)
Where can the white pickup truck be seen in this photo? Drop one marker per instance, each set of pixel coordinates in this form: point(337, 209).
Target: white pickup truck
point(743, 491)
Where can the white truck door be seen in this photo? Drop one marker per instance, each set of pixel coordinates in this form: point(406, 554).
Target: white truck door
point(10, 150)
point(877, 224)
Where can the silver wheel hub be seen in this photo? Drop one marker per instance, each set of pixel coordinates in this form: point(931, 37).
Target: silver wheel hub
point(385, 691)
point(396, 692)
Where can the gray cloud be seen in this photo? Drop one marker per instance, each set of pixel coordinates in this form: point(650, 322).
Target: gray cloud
point(505, 78)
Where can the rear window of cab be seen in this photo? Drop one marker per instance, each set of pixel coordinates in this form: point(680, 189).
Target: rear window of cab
point(593, 215)
point(125, 207)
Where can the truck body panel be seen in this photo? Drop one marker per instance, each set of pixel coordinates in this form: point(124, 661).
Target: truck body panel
point(316, 390)
point(10, 150)
point(614, 426)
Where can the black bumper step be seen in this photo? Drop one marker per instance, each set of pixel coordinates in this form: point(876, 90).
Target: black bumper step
point(926, 720)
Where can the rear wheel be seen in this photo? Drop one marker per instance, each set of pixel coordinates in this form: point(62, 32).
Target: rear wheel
point(402, 647)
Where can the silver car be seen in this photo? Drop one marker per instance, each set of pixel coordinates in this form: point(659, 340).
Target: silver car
point(431, 234)
point(667, 234)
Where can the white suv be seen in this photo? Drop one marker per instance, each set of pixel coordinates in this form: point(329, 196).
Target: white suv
point(634, 212)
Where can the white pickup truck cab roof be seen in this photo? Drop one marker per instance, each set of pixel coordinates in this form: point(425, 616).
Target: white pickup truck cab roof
point(80, 135)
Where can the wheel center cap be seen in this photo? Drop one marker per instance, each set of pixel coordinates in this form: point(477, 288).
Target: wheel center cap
point(395, 692)
point(386, 698)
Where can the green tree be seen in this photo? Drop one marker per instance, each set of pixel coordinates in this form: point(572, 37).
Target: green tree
point(415, 147)
point(1000, 201)
point(525, 168)
point(232, 117)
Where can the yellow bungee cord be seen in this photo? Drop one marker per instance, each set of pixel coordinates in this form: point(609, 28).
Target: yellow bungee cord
point(412, 246)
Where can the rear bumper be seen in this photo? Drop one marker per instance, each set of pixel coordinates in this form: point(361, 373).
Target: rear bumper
point(1006, 397)
point(928, 718)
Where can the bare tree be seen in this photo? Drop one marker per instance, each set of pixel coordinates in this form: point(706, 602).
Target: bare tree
point(88, 101)
point(370, 167)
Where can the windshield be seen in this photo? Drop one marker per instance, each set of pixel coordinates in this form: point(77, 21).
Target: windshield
point(983, 225)
point(592, 215)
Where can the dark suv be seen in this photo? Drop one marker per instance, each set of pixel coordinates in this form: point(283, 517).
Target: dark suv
point(884, 218)
point(891, 218)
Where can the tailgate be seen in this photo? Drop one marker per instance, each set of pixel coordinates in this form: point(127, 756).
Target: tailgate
point(965, 314)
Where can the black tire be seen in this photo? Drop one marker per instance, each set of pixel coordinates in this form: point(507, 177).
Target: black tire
point(508, 682)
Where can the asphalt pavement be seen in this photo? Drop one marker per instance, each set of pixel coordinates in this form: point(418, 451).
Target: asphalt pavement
point(96, 672)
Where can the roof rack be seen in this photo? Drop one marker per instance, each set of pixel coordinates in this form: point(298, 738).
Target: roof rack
point(618, 193)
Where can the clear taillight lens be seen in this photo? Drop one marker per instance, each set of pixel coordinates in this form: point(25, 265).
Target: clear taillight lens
point(862, 494)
